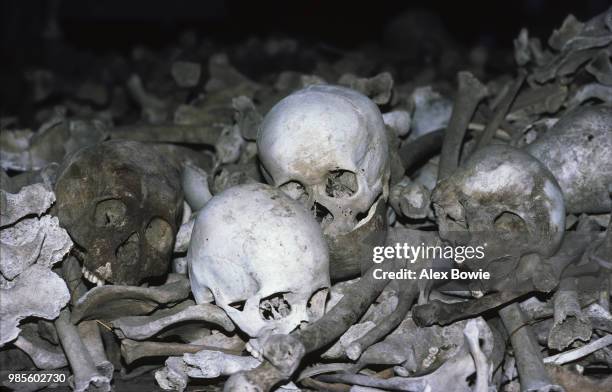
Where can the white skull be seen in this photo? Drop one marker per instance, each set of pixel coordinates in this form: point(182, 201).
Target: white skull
point(327, 147)
point(505, 195)
point(261, 255)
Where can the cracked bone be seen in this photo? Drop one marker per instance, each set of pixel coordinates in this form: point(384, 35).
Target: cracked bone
point(143, 327)
point(35, 292)
point(112, 301)
point(202, 364)
point(41, 241)
point(32, 199)
point(85, 375)
point(89, 332)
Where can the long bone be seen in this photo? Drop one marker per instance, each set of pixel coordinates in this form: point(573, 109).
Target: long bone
point(143, 327)
point(531, 370)
point(89, 332)
point(470, 93)
point(132, 350)
point(85, 374)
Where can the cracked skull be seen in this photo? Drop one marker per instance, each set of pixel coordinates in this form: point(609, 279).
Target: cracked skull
point(261, 255)
point(503, 196)
point(121, 202)
point(326, 147)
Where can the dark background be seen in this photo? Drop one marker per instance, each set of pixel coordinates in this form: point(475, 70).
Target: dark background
point(120, 24)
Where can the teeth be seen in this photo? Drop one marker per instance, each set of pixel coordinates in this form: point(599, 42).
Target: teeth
point(91, 277)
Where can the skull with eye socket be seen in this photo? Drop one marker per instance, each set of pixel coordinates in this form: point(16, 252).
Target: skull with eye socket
point(121, 202)
point(326, 146)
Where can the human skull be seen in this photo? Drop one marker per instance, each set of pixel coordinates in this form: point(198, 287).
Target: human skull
point(326, 146)
point(578, 152)
point(121, 202)
point(261, 255)
point(506, 197)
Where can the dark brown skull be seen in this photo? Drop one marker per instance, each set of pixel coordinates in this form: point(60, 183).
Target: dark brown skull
point(121, 202)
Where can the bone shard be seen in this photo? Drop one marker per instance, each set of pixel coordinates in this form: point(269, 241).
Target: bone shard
point(30, 241)
point(27, 296)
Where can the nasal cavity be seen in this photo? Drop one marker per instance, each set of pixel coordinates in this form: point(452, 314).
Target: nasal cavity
point(274, 307)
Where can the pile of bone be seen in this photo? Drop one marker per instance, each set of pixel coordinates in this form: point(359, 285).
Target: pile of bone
point(134, 254)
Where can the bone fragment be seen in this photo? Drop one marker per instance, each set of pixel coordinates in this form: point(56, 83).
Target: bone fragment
point(36, 292)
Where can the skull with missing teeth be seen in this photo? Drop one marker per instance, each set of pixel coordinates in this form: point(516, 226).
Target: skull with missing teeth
point(261, 255)
point(504, 197)
point(121, 202)
point(326, 146)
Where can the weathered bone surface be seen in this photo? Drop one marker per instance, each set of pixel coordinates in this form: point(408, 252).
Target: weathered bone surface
point(44, 354)
point(578, 152)
point(111, 302)
point(326, 146)
point(143, 327)
point(502, 191)
point(121, 202)
point(30, 200)
point(38, 292)
point(264, 277)
point(41, 241)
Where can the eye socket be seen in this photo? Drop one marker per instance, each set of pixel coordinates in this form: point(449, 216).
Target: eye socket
point(110, 213)
point(295, 190)
point(341, 184)
point(510, 222)
point(159, 234)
